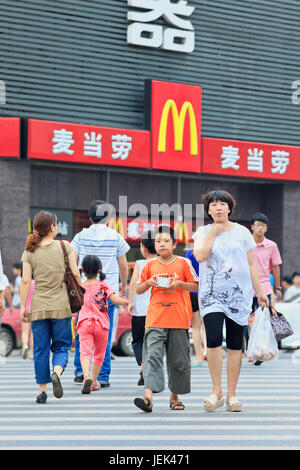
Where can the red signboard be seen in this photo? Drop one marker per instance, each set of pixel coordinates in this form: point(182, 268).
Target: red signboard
point(250, 159)
point(175, 124)
point(132, 229)
point(59, 141)
point(10, 137)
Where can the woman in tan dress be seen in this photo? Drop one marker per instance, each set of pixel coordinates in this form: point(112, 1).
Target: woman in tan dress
point(50, 311)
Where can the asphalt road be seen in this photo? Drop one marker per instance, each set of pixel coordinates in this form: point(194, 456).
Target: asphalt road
point(107, 419)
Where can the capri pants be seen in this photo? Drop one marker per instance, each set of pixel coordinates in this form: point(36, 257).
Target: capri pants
point(214, 331)
point(92, 335)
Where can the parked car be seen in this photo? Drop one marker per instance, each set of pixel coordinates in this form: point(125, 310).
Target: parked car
point(10, 330)
point(123, 339)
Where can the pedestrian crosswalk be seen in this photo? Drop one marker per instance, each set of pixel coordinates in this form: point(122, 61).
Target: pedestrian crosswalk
point(107, 419)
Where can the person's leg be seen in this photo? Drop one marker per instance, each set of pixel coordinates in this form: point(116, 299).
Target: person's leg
point(25, 339)
point(41, 352)
point(103, 377)
point(178, 365)
point(77, 364)
point(86, 343)
point(153, 353)
point(197, 336)
point(214, 336)
point(61, 334)
point(234, 341)
point(138, 331)
point(100, 340)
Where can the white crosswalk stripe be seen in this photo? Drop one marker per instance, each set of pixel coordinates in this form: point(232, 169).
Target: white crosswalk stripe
point(107, 419)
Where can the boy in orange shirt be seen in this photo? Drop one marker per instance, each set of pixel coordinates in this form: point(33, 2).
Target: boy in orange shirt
point(167, 321)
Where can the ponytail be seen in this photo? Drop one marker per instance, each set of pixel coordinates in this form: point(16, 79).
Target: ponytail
point(42, 223)
point(33, 242)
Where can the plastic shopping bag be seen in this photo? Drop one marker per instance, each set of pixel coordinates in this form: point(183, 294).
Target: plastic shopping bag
point(262, 345)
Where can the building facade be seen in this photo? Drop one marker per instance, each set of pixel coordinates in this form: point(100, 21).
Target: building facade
point(86, 62)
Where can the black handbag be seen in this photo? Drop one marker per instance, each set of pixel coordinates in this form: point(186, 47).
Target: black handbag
point(281, 327)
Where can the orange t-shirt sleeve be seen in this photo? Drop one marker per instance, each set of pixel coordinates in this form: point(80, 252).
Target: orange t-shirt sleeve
point(189, 272)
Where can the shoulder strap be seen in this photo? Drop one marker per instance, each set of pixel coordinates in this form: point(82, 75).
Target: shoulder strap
point(296, 296)
point(65, 253)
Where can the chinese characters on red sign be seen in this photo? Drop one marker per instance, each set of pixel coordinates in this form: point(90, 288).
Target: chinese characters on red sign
point(88, 144)
point(250, 159)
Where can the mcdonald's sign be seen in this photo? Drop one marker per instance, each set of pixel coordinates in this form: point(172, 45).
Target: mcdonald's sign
point(173, 114)
point(182, 232)
point(117, 225)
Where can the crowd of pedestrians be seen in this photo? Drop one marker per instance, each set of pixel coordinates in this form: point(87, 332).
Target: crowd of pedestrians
point(227, 275)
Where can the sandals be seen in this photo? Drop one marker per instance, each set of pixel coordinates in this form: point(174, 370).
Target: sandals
point(234, 405)
point(57, 388)
point(214, 401)
point(174, 404)
point(143, 404)
point(42, 398)
point(86, 389)
point(94, 388)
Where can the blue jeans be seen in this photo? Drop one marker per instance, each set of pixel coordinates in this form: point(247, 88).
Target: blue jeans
point(50, 335)
point(106, 366)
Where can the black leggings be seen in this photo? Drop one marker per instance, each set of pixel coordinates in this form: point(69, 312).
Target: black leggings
point(214, 331)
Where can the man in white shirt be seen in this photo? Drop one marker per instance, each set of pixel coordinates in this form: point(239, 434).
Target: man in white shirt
point(111, 248)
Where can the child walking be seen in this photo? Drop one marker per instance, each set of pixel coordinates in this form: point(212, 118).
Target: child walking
point(167, 321)
point(138, 304)
point(93, 321)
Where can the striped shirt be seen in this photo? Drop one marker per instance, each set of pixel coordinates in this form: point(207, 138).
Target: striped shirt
point(107, 244)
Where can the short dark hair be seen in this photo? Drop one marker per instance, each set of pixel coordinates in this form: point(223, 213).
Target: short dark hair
point(218, 195)
point(17, 265)
point(260, 217)
point(99, 211)
point(166, 229)
point(296, 273)
point(147, 240)
point(287, 279)
point(91, 264)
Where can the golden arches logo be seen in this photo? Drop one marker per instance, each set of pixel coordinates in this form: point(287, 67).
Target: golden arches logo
point(182, 232)
point(178, 124)
point(117, 225)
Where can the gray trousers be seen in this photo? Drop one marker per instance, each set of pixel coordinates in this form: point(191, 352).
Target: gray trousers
point(176, 343)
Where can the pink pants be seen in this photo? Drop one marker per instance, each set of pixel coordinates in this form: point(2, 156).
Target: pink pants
point(92, 335)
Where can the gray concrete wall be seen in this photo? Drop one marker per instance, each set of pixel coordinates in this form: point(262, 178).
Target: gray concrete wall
point(14, 211)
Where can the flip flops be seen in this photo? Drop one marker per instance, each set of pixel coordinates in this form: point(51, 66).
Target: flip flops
point(86, 389)
point(214, 401)
point(234, 405)
point(174, 404)
point(143, 404)
point(57, 388)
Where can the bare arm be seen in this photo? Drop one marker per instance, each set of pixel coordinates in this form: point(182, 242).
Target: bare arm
point(8, 296)
point(24, 289)
point(2, 303)
point(276, 275)
point(73, 266)
point(203, 246)
point(261, 296)
point(118, 300)
point(132, 288)
point(123, 268)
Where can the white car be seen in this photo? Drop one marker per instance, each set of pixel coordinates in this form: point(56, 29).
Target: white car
point(291, 311)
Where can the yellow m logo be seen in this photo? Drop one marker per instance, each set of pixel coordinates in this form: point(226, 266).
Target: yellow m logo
point(117, 225)
point(182, 232)
point(178, 123)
